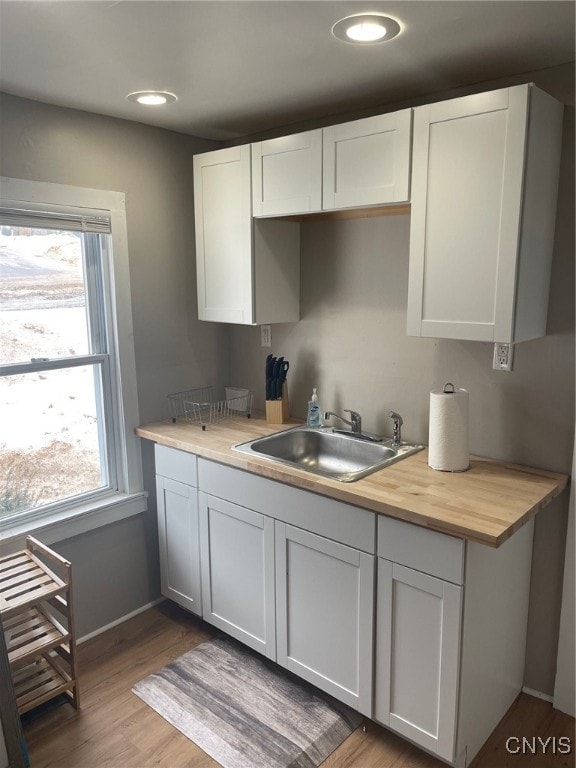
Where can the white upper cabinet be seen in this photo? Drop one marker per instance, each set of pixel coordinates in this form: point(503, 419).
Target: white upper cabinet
point(248, 271)
point(353, 165)
point(483, 208)
point(367, 162)
point(287, 174)
point(484, 188)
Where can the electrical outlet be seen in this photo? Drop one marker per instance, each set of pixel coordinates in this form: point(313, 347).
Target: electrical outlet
point(265, 336)
point(503, 354)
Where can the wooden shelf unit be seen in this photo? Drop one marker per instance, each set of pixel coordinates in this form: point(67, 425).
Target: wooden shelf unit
point(37, 620)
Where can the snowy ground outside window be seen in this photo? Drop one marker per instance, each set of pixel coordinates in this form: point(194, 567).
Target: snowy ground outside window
point(48, 432)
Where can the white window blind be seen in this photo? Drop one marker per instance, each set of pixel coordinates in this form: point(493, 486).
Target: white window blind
point(76, 222)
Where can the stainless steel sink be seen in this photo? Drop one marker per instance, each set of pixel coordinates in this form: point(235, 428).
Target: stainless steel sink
point(324, 452)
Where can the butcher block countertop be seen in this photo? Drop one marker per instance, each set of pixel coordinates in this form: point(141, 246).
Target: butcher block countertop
point(487, 503)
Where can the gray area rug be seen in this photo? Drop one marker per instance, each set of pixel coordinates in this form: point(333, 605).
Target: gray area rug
point(245, 711)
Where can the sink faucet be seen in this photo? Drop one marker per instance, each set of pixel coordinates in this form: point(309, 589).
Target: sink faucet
point(355, 422)
point(397, 420)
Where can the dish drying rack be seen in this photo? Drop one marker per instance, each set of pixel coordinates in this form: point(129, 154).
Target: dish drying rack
point(209, 405)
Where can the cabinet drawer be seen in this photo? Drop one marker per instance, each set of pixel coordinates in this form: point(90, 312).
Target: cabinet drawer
point(333, 519)
point(431, 552)
point(176, 465)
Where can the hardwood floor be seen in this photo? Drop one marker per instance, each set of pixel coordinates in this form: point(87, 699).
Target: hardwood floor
point(115, 729)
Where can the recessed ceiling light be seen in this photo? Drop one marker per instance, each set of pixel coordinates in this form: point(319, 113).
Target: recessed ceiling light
point(152, 98)
point(366, 28)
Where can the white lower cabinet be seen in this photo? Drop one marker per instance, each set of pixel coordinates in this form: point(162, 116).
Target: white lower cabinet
point(324, 614)
point(237, 554)
point(177, 509)
point(447, 669)
point(291, 574)
point(178, 542)
point(417, 660)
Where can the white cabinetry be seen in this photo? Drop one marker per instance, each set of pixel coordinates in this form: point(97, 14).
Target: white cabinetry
point(324, 577)
point(237, 546)
point(418, 630)
point(287, 174)
point(447, 670)
point(292, 574)
point(248, 271)
point(367, 162)
point(484, 187)
point(418, 619)
point(324, 609)
point(177, 504)
point(353, 165)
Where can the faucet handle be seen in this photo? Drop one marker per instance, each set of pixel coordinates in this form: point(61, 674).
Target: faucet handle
point(398, 421)
point(355, 421)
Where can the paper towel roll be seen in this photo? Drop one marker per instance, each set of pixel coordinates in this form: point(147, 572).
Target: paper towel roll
point(449, 448)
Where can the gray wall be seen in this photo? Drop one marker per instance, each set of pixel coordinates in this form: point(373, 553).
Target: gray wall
point(351, 344)
point(116, 567)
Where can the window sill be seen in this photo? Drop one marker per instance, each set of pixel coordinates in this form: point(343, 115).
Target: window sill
point(82, 518)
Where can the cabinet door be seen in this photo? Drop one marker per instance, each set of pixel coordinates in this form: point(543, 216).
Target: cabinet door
point(223, 220)
point(367, 162)
point(324, 610)
point(287, 174)
point(468, 157)
point(237, 548)
point(417, 656)
point(179, 543)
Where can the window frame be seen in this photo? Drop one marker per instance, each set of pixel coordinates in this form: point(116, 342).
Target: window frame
point(69, 517)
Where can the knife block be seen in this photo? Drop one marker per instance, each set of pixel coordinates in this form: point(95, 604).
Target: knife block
point(277, 410)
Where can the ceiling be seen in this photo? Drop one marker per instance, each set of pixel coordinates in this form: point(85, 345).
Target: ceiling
point(249, 66)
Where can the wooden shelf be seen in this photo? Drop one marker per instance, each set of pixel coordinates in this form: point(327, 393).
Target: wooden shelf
point(24, 580)
point(32, 632)
point(35, 591)
point(391, 209)
point(39, 682)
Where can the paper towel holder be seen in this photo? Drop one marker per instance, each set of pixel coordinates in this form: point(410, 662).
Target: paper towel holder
point(448, 449)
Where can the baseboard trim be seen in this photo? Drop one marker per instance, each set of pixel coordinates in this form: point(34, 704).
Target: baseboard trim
point(121, 620)
point(538, 695)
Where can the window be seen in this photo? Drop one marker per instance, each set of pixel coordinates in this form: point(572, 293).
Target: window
point(67, 376)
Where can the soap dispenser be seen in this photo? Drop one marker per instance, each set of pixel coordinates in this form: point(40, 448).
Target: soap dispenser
point(314, 420)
